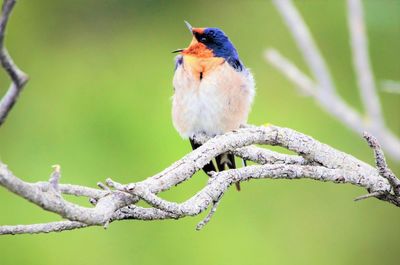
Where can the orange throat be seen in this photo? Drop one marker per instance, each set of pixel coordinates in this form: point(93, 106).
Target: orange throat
point(198, 50)
point(199, 59)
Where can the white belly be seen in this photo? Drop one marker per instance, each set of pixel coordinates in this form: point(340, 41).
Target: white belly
point(218, 103)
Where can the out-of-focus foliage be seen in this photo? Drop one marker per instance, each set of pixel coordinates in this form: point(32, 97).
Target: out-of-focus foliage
point(98, 103)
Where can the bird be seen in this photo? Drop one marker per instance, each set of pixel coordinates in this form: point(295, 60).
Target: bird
point(213, 91)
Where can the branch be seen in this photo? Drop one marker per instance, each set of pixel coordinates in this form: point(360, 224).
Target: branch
point(44, 195)
point(332, 103)
point(306, 44)
point(316, 161)
point(362, 66)
point(18, 78)
point(322, 89)
point(222, 180)
point(259, 155)
point(209, 215)
point(131, 212)
point(391, 86)
point(381, 165)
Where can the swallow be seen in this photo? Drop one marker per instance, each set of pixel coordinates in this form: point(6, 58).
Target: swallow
point(213, 90)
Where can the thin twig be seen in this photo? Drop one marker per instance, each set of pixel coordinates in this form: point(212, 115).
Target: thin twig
point(207, 219)
point(381, 164)
point(307, 45)
point(18, 77)
point(332, 104)
point(323, 89)
point(55, 177)
point(102, 186)
point(362, 65)
point(391, 86)
point(303, 82)
point(369, 195)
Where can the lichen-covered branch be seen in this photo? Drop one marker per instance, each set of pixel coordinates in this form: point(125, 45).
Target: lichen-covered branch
point(131, 212)
point(315, 161)
point(381, 165)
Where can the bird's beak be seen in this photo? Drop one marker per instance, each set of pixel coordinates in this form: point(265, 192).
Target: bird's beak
point(178, 50)
point(191, 29)
point(189, 26)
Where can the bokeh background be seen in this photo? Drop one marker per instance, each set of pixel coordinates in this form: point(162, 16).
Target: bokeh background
point(98, 103)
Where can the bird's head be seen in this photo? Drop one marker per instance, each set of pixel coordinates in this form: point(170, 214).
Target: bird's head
point(209, 42)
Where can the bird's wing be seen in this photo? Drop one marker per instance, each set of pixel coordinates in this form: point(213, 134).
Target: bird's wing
point(178, 61)
point(235, 63)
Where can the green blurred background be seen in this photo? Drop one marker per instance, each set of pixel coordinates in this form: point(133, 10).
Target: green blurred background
point(98, 103)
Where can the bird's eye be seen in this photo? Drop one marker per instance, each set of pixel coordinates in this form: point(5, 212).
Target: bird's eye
point(203, 39)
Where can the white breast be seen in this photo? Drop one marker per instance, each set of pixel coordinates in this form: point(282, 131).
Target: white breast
point(217, 103)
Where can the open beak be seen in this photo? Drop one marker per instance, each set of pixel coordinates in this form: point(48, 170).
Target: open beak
point(178, 50)
point(189, 26)
point(191, 31)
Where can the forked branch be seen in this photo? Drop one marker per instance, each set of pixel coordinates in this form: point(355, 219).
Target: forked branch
point(18, 78)
point(315, 161)
point(321, 86)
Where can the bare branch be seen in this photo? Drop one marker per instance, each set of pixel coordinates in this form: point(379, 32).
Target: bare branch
point(127, 213)
point(221, 181)
point(77, 190)
point(209, 215)
point(381, 165)
point(306, 44)
point(391, 86)
point(42, 195)
point(18, 77)
point(323, 89)
point(133, 212)
point(332, 104)
point(259, 155)
point(55, 177)
point(362, 66)
point(303, 82)
point(369, 195)
point(316, 161)
point(103, 186)
point(40, 228)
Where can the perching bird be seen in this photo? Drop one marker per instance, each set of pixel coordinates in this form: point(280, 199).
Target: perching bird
point(213, 91)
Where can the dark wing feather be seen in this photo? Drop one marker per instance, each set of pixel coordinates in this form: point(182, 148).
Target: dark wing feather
point(210, 166)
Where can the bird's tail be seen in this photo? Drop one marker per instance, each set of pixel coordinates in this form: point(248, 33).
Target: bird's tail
point(210, 166)
point(224, 161)
point(227, 160)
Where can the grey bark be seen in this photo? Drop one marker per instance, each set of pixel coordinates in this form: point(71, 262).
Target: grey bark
point(315, 161)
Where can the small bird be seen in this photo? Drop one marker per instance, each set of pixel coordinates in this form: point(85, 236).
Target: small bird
point(213, 90)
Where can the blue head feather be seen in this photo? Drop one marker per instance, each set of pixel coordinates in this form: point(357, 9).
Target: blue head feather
point(216, 40)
